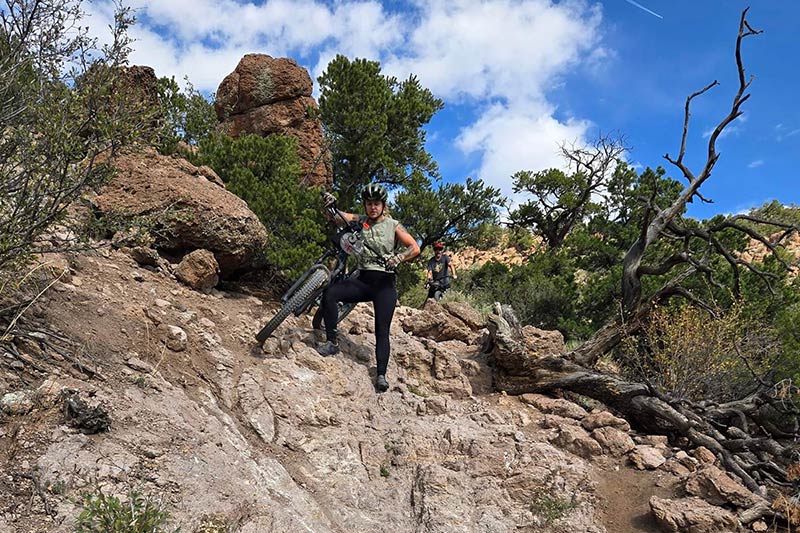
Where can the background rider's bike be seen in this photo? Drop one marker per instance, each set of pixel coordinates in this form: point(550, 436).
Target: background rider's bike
point(439, 287)
point(308, 288)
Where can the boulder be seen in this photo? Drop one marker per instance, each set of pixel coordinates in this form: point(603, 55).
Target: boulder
point(614, 441)
point(574, 439)
point(693, 515)
point(143, 255)
point(434, 323)
point(543, 342)
point(260, 79)
point(266, 95)
point(190, 211)
point(704, 455)
point(466, 313)
point(176, 339)
point(603, 419)
point(555, 406)
point(199, 270)
point(646, 457)
point(718, 488)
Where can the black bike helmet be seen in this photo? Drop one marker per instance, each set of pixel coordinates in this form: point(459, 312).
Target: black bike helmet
point(373, 191)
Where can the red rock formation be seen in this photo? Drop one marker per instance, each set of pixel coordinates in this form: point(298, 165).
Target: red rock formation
point(265, 95)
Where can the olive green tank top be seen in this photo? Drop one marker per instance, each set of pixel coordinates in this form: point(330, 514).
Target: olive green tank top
point(381, 238)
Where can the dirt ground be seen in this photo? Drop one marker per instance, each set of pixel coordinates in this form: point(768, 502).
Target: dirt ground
point(625, 493)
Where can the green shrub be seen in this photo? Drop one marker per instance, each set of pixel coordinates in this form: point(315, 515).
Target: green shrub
point(108, 514)
point(185, 116)
point(693, 355)
point(551, 508)
point(265, 173)
point(521, 238)
point(487, 236)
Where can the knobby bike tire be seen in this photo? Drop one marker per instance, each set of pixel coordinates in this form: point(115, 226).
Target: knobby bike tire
point(300, 298)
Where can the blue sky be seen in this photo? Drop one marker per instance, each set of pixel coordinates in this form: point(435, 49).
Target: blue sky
point(519, 77)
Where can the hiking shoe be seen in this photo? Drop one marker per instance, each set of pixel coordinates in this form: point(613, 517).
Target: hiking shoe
point(381, 384)
point(328, 348)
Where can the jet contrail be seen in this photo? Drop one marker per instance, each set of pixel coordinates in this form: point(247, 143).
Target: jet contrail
point(640, 6)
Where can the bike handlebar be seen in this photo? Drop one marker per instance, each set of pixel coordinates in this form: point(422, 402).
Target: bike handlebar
point(334, 212)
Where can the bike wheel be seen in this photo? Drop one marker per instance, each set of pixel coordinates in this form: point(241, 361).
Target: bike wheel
point(300, 298)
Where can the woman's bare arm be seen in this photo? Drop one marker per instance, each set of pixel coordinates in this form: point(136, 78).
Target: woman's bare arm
point(331, 215)
point(411, 247)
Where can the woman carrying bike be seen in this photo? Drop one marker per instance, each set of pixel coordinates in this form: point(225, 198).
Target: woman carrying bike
point(376, 278)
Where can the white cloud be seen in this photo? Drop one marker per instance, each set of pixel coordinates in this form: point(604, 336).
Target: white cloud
point(502, 57)
point(511, 53)
point(518, 138)
point(734, 128)
point(755, 164)
point(501, 48)
point(783, 132)
point(204, 39)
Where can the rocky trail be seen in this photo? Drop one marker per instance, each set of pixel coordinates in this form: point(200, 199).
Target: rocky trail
point(282, 439)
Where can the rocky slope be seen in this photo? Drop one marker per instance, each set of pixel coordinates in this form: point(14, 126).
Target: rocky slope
point(282, 439)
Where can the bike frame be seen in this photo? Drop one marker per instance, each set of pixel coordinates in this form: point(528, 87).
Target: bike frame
point(334, 274)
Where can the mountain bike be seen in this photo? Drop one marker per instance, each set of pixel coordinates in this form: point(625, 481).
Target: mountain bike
point(439, 287)
point(307, 290)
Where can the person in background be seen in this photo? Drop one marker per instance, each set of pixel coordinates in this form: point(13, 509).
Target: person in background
point(439, 272)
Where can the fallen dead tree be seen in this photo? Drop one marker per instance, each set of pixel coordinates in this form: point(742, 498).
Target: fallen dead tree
point(736, 432)
point(752, 436)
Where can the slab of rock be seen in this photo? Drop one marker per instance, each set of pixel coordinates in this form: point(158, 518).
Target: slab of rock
point(438, 325)
point(693, 515)
point(614, 441)
point(199, 270)
point(554, 406)
point(718, 488)
point(603, 419)
point(466, 313)
point(675, 467)
point(576, 440)
point(657, 441)
point(646, 457)
point(255, 405)
point(143, 255)
point(704, 455)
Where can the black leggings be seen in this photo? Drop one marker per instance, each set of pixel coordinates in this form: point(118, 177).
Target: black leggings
point(370, 286)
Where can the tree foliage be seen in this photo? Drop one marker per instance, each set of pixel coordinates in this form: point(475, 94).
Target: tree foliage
point(61, 115)
point(561, 200)
point(452, 213)
point(265, 172)
point(186, 116)
point(373, 124)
